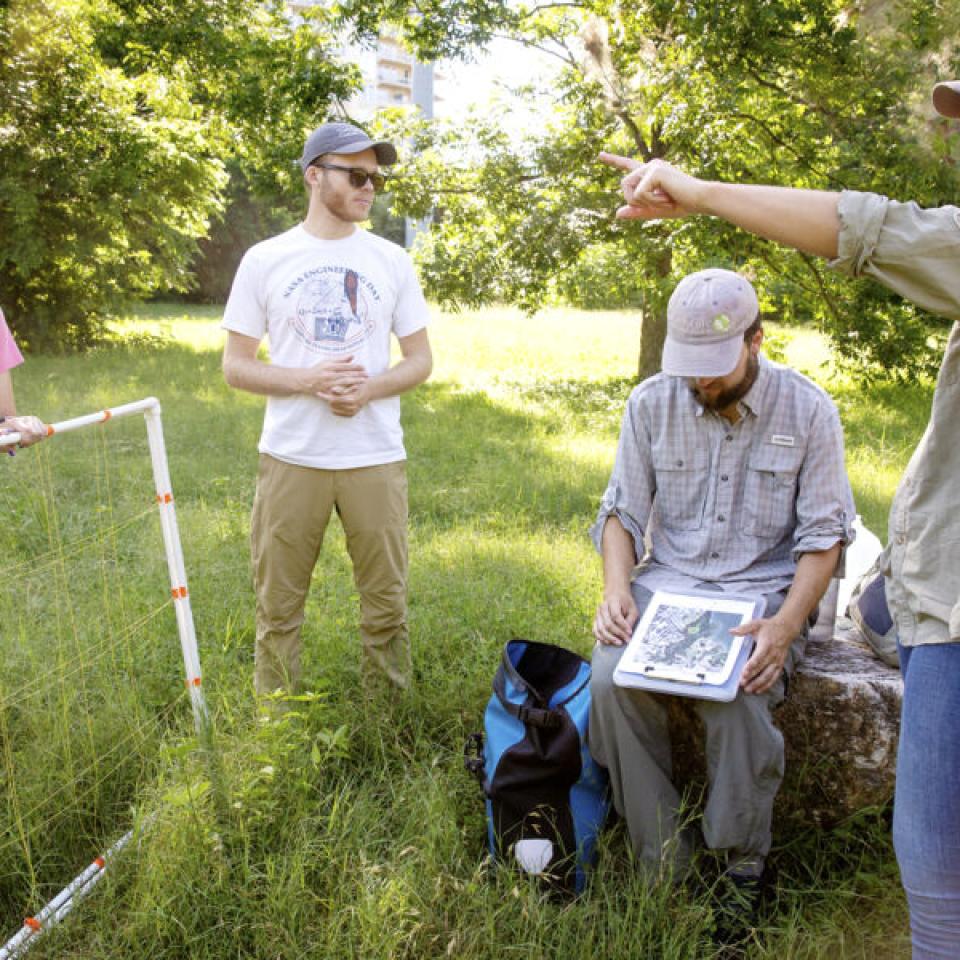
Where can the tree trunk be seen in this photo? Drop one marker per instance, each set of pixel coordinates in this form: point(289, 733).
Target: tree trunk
point(653, 330)
point(653, 325)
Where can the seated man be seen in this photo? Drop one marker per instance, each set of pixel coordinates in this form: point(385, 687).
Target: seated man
point(731, 468)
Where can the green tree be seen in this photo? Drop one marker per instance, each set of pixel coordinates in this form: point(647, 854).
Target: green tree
point(117, 119)
point(782, 91)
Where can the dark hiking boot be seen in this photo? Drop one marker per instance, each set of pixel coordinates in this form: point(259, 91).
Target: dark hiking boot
point(736, 909)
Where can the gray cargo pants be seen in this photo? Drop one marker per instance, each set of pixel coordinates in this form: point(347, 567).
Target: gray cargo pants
point(628, 735)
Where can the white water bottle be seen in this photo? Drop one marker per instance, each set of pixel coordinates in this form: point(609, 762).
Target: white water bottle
point(861, 555)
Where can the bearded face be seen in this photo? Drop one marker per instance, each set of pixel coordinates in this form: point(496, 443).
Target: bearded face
point(723, 392)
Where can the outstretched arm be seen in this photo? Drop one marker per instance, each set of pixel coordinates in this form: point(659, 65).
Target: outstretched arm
point(804, 219)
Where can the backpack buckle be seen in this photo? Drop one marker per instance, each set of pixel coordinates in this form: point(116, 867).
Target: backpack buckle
point(538, 717)
point(473, 758)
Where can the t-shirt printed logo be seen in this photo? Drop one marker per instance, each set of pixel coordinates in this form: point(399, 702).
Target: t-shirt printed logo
point(332, 309)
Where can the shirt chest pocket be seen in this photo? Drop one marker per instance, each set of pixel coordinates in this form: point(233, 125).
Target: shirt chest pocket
point(770, 491)
point(682, 480)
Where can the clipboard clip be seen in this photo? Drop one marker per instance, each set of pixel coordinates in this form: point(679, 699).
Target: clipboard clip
point(696, 679)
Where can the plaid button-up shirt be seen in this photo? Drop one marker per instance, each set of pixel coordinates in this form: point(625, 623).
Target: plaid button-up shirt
point(730, 504)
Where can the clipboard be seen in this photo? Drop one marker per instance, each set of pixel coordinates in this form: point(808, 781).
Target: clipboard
point(682, 645)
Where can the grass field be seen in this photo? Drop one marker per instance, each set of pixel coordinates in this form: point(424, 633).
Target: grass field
point(344, 830)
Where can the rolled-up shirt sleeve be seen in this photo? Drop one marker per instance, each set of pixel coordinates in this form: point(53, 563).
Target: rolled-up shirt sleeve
point(629, 494)
point(824, 506)
point(908, 249)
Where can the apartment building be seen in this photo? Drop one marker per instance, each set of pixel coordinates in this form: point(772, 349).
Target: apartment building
point(392, 76)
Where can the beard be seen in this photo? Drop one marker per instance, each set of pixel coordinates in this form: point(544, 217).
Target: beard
point(729, 396)
point(341, 205)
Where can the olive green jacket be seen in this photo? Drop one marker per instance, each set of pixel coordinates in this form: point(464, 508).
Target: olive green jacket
point(916, 253)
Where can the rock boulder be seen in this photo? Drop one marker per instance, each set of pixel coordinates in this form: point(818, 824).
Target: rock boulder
point(840, 724)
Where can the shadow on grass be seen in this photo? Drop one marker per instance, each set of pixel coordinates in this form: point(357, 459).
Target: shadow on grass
point(374, 848)
point(470, 455)
point(501, 491)
point(474, 460)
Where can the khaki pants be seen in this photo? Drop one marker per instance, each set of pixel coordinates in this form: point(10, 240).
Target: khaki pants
point(291, 511)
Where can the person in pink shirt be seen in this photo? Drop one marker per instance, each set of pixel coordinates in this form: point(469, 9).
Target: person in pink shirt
point(31, 429)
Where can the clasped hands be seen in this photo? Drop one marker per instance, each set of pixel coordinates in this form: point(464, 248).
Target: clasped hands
point(617, 615)
point(345, 385)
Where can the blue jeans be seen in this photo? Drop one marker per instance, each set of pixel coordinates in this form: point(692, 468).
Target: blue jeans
point(926, 818)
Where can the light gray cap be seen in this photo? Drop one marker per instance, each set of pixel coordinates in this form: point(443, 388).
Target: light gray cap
point(946, 98)
point(707, 315)
point(344, 138)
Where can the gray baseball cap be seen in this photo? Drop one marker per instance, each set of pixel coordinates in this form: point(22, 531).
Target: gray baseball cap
point(707, 315)
point(344, 138)
point(946, 98)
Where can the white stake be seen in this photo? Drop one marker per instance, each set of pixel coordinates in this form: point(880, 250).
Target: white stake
point(75, 891)
point(150, 408)
point(61, 904)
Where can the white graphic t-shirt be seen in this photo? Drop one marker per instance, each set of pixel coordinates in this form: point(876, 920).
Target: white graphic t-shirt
point(321, 300)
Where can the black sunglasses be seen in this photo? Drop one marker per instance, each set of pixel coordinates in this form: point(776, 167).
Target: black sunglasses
point(358, 176)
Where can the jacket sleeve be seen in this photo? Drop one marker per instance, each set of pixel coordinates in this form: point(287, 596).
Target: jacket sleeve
point(912, 251)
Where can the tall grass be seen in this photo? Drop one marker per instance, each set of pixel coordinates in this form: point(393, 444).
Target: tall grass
point(91, 685)
point(347, 828)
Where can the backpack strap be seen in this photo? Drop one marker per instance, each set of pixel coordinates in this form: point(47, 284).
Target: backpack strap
point(473, 756)
point(578, 691)
point(545, 718)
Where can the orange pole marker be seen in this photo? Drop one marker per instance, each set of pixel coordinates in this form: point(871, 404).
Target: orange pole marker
point(32, 922)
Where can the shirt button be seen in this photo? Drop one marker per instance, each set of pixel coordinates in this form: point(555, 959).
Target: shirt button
point(679, 463)
point(724, 477)
point(729, 436)
point(714, 556)
point(721, 518)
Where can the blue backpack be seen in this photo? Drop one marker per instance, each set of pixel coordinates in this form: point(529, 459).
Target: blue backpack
point(546, 797)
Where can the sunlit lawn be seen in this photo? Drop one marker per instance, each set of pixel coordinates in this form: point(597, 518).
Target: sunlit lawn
point(348, 831)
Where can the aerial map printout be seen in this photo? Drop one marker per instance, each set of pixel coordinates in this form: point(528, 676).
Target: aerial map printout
point(685, 638)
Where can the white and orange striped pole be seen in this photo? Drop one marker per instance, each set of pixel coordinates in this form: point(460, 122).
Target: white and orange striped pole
point(33, 927)
point(75, 891)
point(101, 416)
point(150, 408)
point(175, 565)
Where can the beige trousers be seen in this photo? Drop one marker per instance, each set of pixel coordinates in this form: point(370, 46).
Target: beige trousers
point(291, 510)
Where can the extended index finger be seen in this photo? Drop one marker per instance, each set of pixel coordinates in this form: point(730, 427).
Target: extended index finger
point(615, 160)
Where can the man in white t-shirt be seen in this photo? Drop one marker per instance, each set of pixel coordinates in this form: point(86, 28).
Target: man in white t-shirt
point(328, 295)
